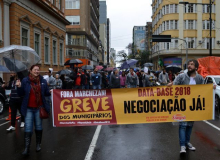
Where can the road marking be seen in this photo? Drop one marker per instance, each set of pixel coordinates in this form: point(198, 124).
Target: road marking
point(4, 118)
point(93, 143)
point(4, 123)
point(212, 125)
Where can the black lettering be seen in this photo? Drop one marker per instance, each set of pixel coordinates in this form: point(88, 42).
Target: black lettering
point(133, 106)
point(163, 106)
point(127, 107)
point(193, 107)
point(153, 102)
point(176, 105)
point(139, 108)
point(169, 108)
point(182, 104)
point(146, 106)
point(199, 104)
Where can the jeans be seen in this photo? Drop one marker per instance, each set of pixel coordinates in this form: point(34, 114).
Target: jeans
point(184, 134)
point(85, 86)
point(33, 116)
point(96, 86)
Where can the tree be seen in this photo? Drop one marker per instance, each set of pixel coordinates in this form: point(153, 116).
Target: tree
point(122, 55)
point(142, 57)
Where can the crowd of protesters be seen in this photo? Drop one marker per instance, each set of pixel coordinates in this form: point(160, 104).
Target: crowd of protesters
point(34, 92)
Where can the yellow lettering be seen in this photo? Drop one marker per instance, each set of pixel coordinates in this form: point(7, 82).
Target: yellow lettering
point(65, 108)
point(76, 103)
point(85, 104)
point(95, 104)
point(104, 103)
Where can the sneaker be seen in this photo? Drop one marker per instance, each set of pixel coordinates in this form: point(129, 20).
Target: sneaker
point(190, 147)
point(183, 149)
point(11, 128)
point(22, 125)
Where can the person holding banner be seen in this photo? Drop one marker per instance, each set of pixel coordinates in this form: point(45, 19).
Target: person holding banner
point(115, 79)
point(132, 80)
point(164, 78)
point(96, 79)
point(189, 78)
point(33, 88)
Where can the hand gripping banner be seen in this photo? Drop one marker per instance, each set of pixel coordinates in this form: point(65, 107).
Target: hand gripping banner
point(132, 105)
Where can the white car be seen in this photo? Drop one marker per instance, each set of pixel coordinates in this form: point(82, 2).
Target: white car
point(215, 80)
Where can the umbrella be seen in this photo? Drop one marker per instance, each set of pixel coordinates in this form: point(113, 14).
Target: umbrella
point(64, 71)
point(128, 63)
point(4, 69)
point(87, 67)
point(109, 69)
point(148, 65)
point(99, 67)
point(73, 61)
point(173, 68)
point(23, 55)
point(15, 65)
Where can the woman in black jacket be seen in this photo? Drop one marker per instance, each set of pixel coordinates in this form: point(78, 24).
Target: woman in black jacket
point(115, 79)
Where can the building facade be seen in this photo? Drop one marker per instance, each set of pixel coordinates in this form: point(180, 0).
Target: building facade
point(139, 35)
point(188, 26)
point(112, 58)
point(103, 28)
point(82, 38)
point(108, 39)
point(148, 36)
point(37, 24)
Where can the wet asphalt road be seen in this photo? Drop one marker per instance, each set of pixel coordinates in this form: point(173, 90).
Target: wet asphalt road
point(122, 142)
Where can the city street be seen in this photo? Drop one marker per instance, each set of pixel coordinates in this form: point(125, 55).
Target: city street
point(122, 142)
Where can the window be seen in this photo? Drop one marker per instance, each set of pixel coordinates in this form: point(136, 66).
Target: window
point(176, 44)
point(24, 37)
point(171, 9)
point(37, 43)
point(191, 43)
point(167, 25)
point(171, 24)
point(207, 43)
point(24, 42)
point(168, 46)
point(190, 24)
point(176, 24)
point(74, 20)
point(60, 4)
point(54, 2)
point(54, 52)
point(72, 4)
point(176, 8)
point(167, 9)
point(61, 53)
point(46, 49)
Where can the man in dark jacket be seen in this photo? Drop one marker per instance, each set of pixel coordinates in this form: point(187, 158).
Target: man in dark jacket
point(115, 80)
point(15, 102)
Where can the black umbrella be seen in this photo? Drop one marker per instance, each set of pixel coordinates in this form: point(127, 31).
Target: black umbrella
point(64, 71)
point(148, 65)
point(87, 67)
point(73, 61)
point(173, 68)
point(15, 65)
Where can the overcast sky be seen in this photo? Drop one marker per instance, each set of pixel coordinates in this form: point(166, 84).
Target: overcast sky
point(124, 15)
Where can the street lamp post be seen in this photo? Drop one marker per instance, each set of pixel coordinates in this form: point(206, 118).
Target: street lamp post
point(210, 20)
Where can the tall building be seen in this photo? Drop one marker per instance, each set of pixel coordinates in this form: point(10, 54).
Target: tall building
point(103, 28)
point(39, 24)
point(185, 23)
point(112, 57)
point(83, 34)
point(108, 39)
point(148, 36)
point(139, 39)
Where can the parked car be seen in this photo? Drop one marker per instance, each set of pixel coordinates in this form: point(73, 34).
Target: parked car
point(215, 80)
